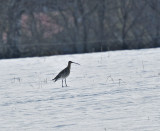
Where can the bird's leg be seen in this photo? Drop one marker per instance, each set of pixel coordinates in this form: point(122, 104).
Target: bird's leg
point(65, 82)
point(62, 82)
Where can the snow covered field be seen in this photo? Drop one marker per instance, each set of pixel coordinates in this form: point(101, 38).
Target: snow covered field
point(109, 91)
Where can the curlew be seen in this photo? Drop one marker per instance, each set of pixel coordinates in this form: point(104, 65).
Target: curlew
point(64, 73)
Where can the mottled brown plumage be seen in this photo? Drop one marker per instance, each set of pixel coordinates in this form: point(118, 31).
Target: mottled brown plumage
point(64, 73)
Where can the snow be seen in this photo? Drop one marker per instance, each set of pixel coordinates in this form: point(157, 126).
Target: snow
point(109, 91)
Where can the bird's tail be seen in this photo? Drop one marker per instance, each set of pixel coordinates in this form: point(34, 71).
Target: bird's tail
point(54, 79)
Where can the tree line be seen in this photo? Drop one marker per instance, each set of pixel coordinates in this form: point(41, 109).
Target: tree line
point(48, 27)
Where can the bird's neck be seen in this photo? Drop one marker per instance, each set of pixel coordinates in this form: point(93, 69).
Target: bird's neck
point(69, 66)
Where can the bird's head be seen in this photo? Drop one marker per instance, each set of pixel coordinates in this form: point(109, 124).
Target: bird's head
point(70, 62)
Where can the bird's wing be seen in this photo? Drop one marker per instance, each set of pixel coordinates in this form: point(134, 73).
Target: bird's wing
point(59, 75)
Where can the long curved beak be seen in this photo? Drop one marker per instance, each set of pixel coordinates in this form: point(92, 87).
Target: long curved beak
point(76, 63)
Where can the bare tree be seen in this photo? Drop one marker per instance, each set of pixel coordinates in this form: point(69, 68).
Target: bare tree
point(153, 22)
point(101, 21)
point(128, 14)
point(31, 27)
point(15, 11)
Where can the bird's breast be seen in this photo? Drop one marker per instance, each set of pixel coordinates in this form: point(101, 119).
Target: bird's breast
point(65, 74)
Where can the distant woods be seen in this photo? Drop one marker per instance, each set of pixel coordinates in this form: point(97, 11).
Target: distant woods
point(48, 27)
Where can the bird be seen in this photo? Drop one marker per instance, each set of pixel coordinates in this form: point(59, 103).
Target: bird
point(64, 73)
